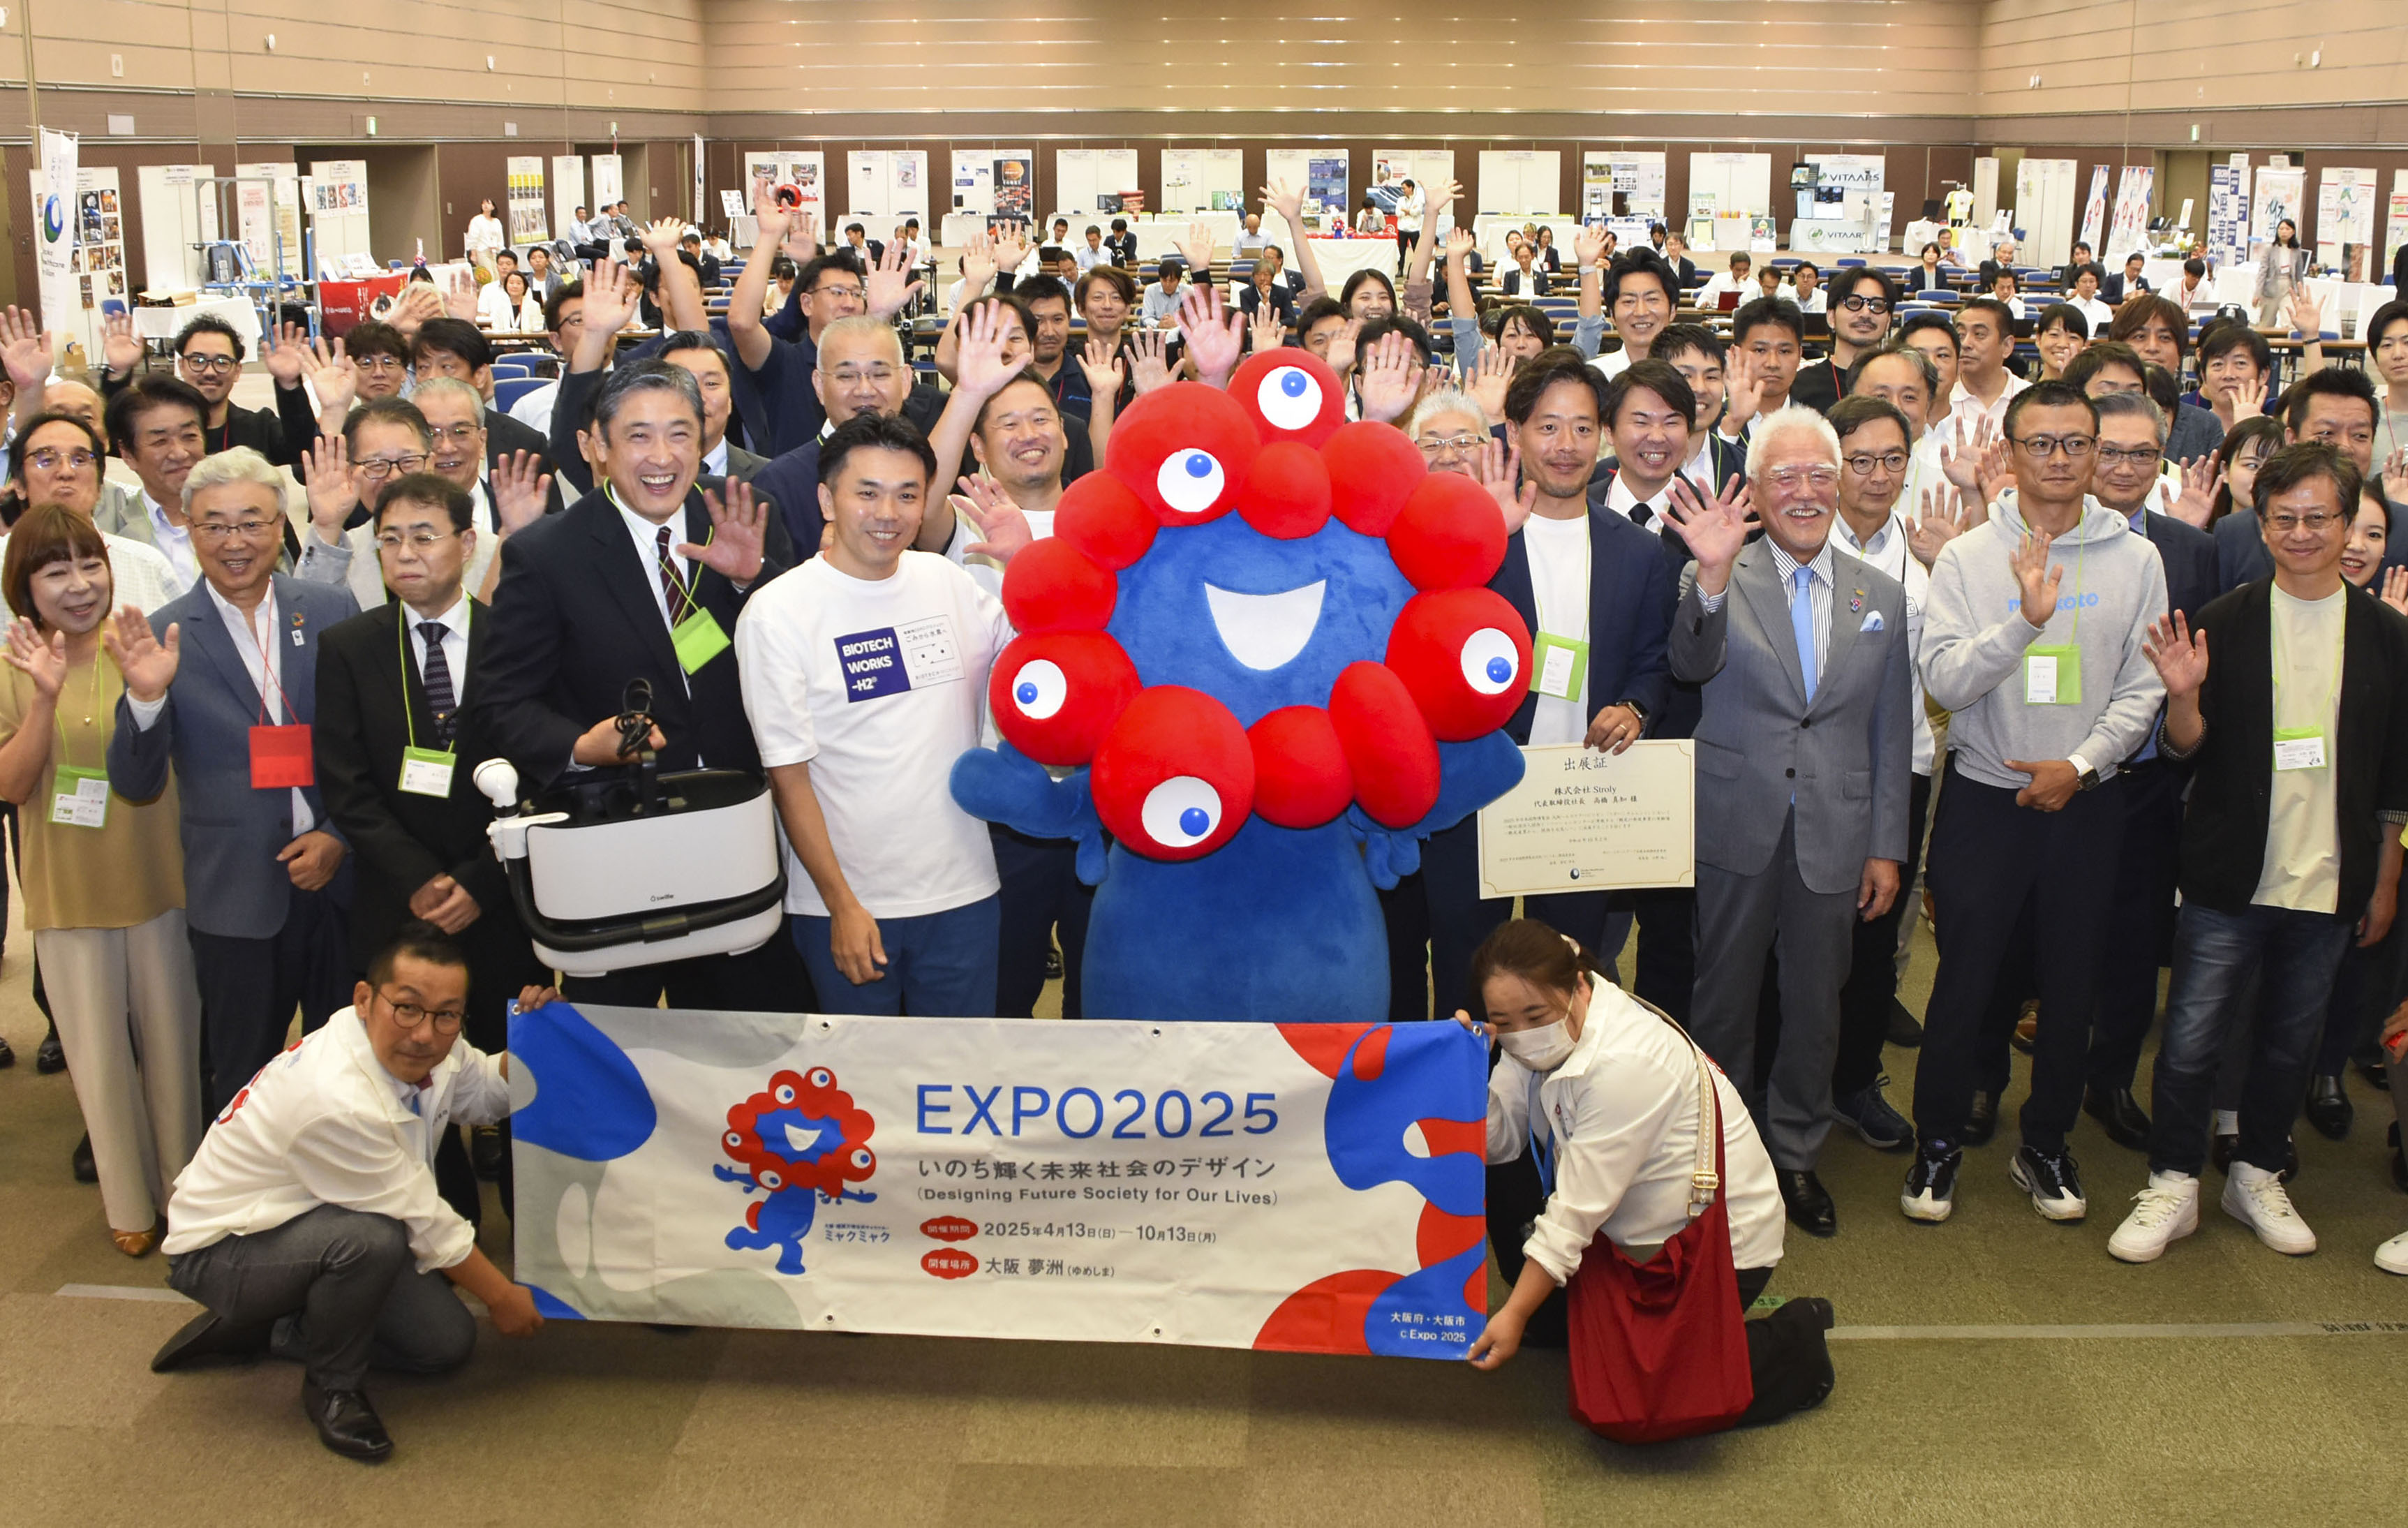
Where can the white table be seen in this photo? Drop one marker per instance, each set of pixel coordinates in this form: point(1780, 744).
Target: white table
point(1493, 229)
point(165, 324)
point(1339, 258)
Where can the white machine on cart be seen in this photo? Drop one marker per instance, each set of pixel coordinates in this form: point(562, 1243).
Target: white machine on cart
point(628, 867)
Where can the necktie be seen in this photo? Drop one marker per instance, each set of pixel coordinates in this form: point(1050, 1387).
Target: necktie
point(1801, 625)
point(671, 590)
point(440, 700)
point(1641, 514)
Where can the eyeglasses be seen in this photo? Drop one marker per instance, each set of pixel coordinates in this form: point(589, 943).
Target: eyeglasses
point(457, 434)
point(380, 364)
point(1439, 445)
point(1863, 463)
point(378, 469)
point(2074, 448)
point(2315, 523)
point(2136, 456)
point(220, 530)
point(1856, 304)
point(447, 1020)
point(393, 541)
point(846, 290)
point(208, 363)
point(1790, 477)
point(877, 376)
point(48, 459)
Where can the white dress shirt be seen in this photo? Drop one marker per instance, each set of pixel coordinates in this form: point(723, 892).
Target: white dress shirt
point(1622, 501)
point(714, 461)
point(175, 542)
point(646, 534)
point(253, 635)
point(1888, 550)
point(454, 623)
point(1963, 405)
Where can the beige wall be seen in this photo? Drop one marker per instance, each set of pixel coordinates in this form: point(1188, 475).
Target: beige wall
point(2187, 55)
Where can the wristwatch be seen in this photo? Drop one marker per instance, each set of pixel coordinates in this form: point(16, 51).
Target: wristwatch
point(2086, 778)
point(1636, 710)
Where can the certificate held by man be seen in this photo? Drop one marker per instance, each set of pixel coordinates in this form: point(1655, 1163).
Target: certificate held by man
point(1581, 820)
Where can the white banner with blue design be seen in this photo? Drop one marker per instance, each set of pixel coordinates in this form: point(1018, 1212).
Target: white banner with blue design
point(54, 233)
point(1307, 1188)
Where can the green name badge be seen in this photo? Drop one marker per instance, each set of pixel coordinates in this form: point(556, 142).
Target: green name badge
point(79, 797)
point(1558, 666)
point(697, 640)
point(426, 772)
point(2299, 748)
point(2052, 675)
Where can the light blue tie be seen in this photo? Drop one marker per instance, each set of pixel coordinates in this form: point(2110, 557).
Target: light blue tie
point(1801, 623)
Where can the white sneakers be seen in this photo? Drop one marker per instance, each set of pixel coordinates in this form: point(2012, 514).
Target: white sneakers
point(2166, 1209)
point(2392, 1256)
point(2255, 1197)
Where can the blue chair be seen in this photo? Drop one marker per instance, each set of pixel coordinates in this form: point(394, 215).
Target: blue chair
point(512, 365)
point(1847, 260)
point(509, 390)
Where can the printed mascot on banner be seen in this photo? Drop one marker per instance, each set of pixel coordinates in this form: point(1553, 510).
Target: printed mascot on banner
point(1260, 644)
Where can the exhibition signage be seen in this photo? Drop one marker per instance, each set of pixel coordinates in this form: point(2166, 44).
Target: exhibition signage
point(54, 231)
point(1310, 1188)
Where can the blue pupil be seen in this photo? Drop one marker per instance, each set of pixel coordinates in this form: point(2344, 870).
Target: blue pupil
point(1027, 694)
point(1500, 669)
point(1292, 384)
point(1198, 464)
point(1195, 822)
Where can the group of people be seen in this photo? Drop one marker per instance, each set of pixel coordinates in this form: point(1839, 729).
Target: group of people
point(1859, 582)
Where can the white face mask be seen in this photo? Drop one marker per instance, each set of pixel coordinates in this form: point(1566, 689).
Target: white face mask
point(1542, 1049)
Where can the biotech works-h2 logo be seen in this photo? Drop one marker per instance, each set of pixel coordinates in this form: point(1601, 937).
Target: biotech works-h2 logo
point(799, 1141)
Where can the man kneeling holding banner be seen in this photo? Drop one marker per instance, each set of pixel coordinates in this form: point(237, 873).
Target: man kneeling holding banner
point(310, 1224)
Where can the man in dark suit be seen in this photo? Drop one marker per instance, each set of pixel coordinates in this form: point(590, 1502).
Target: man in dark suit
point(455, 348)
point(2128, 283)
point(2081, 262)
point(642, 578)
point(395, 750)
point(2131, 439)
point(222, 685)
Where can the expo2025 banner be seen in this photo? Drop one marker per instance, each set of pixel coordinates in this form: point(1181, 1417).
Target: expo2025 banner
point(1306, 1187)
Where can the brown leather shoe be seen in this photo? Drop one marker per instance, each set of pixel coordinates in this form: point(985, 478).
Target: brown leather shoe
point(135, 1244)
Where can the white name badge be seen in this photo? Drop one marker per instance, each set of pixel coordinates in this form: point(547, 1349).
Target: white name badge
point(2299, 750)
point(84, 806)
point(426, 772)
point(2039, 680)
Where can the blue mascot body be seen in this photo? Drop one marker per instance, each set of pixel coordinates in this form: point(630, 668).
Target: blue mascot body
point(1256, 667)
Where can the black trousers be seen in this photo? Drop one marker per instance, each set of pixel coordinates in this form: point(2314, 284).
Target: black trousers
point(1990, 860)
point(1872, 985)
point(249, 988)
point(1664, 970)
point(1404, 908)
point(1044, 898)
point(771, 979)
point(2140, 923)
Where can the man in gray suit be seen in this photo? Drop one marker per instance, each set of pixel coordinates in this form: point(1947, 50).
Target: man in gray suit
point(222, 683)
point(1802, 760)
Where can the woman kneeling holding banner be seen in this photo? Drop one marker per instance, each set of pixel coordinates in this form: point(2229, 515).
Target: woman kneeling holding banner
point(1660, 1232)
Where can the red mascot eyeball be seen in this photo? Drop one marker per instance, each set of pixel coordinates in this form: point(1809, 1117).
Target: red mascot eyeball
point(1372, 467)
point(1053, 587)
point(1301, 778)
point(1186, 450)
point(1388, 745)
point(1175, 776)
point(1465, 656)
point(1291, 395)
point(1054, 694)
point(1101, 517)
point(1449, 535)
point(1287, 493)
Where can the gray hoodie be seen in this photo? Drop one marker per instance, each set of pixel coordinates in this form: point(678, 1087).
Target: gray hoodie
point(1975, 638)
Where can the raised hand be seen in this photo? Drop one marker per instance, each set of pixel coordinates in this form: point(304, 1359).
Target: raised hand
point(147, 663)
point(2395, 476)
point(521, 490)
point(889, 286)
point(285, 354)
point(979, 367)
point(738, 524)
point(460, 296)
point(1286, 200)
point(979, 266)
point(2179, 654)
point(611, 294)
point(2305, 313)
point(1003, 530)
point(1438, 197)
point(1961, 455)
point(1743, 386)
point(662, 237)
point(1460, 245)
point(1997, 472)
point(1196, 249)
point(1944, 517)
point(1715, 528)
point(1101, 361)
point(2395, 588)
point(43, 661)
point(1498, 468)
point(1148, 365)
point(1589, 245)
point(29, 353)
point(1268, 331)
point(121, 348)
point(1492, 374)
point(1390, 377)
point(1342, 346)
point(326, 474)
point(1011, 246)
point(1214, 343)
point(2036, 578)
point(2196, 504)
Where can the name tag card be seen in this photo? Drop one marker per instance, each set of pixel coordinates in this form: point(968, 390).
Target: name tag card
point(2052, 675)
point(426, 772)
point(2298, 748)
point(79, 797)
point(280, 758)
point(697, 639)
point(1559, 666)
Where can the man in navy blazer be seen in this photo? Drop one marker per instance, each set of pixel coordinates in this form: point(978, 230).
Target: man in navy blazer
point(587, 604)
point(1622, 614)
point(221, 686)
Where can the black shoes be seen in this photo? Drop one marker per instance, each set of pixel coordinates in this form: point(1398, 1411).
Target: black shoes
point(1981, 1120)
point(485, 1152)
point(2052, 1180)
point(8, 1057)
point(82, 1164)
point(209, 1336)
point(1930, 1192)
point(2378, 1075)
point(346, 1422)
point(2328, 1108)
point(1869, 1115)
point(51, 1056)
point(2119, 1115)
point(1905, 1029)
point(1808, 1203)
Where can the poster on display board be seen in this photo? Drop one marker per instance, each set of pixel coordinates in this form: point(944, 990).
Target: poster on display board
point(2346, 200)
point(527, 224)
point(1321, 175)
point(701, 199)
point(2228, 212)
point(794, 167)
point(268, 211)
point(1621, 182)
point(1429, 169)
point(2129, 233)
point(336, 193)
point(57, 227)
point(89, 238)
point(887, 183)
point(2094, 210)
point(1305, 1188)
point(567, 190)
point(995, 182)
point(609, 191)
point(2395, 223)
point(2281, 191)
point(1090, 182)
point(1193, 181)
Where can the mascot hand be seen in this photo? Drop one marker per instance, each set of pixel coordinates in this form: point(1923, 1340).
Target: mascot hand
point(1002, 785)
point(1389, 854)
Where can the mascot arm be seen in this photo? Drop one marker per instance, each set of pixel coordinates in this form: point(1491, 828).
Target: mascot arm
point(1002, 785)
point(1470, 775)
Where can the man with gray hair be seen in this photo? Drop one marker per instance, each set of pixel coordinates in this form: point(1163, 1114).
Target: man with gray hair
point(1803, 756)
point(641, 579)
point(266, 881)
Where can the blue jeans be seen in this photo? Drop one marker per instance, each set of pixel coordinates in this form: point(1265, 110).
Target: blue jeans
point(938, 965)
point(2215, 954)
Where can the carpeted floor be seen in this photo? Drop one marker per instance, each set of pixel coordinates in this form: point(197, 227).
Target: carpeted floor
point(2019, 1421)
